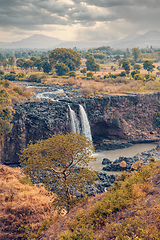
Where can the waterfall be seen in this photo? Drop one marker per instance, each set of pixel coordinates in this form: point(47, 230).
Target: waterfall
point(74, 121)
point(85, 123)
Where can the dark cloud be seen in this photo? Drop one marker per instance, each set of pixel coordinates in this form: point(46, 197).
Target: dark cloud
point(121, 16)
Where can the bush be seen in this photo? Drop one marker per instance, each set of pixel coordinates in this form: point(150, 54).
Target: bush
point(1, 72)
point(156, 120)
point(72, 74)
point(86, 92)
point(35, 78)
point(89, 75)
point(10, 77)
point(21, 75)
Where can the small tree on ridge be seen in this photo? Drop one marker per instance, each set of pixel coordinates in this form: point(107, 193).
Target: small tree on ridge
point(60, 162)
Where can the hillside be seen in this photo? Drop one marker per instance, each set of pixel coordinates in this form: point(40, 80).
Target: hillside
point(39, 41)
point(24, 209)
point(130, 210)
point(151, 38)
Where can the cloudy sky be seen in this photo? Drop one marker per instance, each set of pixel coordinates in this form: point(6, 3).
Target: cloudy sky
point(103, 20)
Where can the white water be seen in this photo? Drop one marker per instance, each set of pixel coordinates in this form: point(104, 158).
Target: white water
point(74, 121)
point(46, 95)
point(115, 154)
point(85, 123)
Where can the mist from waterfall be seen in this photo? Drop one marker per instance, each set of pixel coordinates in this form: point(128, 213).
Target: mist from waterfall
point(74, 121)
point(85, 123)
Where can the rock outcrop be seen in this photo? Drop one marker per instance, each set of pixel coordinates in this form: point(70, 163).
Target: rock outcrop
point(116, 121)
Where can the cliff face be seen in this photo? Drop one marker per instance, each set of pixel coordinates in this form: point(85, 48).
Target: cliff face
point(128, 118)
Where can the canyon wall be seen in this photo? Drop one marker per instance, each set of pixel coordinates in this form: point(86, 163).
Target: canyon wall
point(113, 119)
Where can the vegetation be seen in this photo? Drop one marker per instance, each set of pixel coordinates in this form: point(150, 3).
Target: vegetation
point(66, 56)
point(60, 163)
point(9, 93)
point(25, 209)
point(128, 193)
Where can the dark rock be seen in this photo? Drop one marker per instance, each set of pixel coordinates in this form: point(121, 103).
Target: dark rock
point(106, 161)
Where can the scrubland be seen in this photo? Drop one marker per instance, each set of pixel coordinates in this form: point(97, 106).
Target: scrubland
point(25, 210)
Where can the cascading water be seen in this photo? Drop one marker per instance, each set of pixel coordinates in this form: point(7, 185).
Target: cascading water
point(85, 123)
point(74, 121)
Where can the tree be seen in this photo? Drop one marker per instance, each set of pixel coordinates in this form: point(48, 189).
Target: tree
point(67, 56)
point(135, 72)
point(11, 61)
point(61, 69)
point(60, 162)
point(148, 65)
point(84, 70)
point(91, 64)
point(72, 74)
point(137, 66)
point(47, 67)
point(20, 62)
point(136, 54)
point(126, 65)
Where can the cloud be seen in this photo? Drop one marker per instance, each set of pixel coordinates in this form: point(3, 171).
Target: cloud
point(97, 18)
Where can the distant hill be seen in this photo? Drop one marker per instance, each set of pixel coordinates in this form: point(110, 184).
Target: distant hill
point(151, 38)
point(39, 41)
point(35, 41)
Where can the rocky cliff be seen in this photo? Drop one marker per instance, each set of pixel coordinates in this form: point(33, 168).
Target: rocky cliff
point(114, 120)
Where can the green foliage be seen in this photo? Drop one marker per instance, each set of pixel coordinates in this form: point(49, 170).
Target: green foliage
point(47, 67)
point(72, 74)
point(26, 180)
point(10, 77)
point(1, 72)
point(61, 69)
point(138, 77)
point(149, 77)
point(137, 66)
point(156, 120)
point(133, 73)
point(91, 64)
point(66, 56)
point(129, 188)
point(136, 52)
point(60, 163)
point(82, 234)
point(84, 70)
point(21, 75)
point(126, 65)
point(45, 224)
point(35, 77)
point(148, 65)
point(90, 74)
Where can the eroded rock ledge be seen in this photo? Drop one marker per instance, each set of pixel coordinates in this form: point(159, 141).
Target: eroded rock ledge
point(116, 121)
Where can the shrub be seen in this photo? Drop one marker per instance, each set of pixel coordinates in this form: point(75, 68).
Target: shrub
point(89, 75)
point(87, 92)
point(10, 77)
point(1, 72)
point(156, 120)
point(72, 74)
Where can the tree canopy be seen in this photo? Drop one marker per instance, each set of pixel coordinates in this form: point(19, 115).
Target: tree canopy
point(60, 162)
point(126, 65)
point(91, 64)
point(67, 56)
point(148, 65)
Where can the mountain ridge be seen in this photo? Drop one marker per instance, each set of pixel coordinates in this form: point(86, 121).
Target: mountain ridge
point(40, 41)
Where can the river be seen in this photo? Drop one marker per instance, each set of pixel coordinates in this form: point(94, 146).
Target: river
point(115, 154)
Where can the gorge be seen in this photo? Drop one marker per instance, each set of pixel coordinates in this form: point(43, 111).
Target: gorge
point(115, 121)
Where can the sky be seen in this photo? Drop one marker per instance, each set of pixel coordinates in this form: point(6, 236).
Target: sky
point(72, 20)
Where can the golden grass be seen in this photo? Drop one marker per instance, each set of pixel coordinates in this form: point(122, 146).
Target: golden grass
point(107, 86)
point(23, 208)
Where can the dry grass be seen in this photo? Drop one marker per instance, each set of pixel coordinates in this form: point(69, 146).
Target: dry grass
point(108, 86)
point(23, 208)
